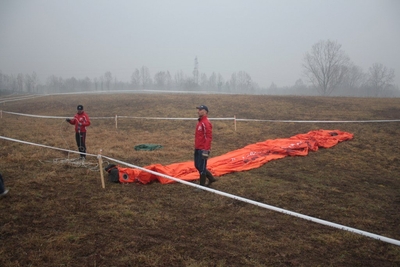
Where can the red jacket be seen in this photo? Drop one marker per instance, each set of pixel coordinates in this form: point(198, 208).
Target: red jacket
point(203, 134)
point(81, 121)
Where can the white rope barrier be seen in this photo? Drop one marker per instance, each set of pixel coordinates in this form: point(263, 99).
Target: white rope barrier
point(18, 98)
point(35, 116)
point(262, 205)
point(213, 119)
point(397, 120)
point(182, 119)
point(45, 146)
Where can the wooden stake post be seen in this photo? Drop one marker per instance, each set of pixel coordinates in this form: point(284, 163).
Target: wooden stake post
point(101, 169)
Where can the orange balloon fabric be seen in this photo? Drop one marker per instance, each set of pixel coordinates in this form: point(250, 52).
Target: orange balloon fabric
point(243, 159)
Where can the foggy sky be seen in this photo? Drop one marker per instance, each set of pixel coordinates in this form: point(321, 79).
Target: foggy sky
point(265, 38)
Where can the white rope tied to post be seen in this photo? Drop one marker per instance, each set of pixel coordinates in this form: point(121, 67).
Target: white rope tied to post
point(303, 121)
point(234, 118)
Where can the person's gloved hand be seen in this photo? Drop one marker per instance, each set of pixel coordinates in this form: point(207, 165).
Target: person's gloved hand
point(68, 120)
point(205, 154)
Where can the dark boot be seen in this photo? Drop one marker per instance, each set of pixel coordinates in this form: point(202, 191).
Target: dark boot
point(203, 179)
point(211, 178)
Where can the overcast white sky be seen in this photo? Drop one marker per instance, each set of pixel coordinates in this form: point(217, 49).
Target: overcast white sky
point(265, 38)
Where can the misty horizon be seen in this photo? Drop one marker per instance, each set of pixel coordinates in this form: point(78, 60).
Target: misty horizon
point(266, 39)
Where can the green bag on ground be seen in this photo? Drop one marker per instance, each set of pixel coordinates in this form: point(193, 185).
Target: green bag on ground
point(148, 147)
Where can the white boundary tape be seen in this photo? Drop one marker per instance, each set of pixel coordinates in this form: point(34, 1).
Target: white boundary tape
point(40, 145)
point(262, 205)
point(320, 121)
point(213, 119)
point(17, 98)
point(35, 116)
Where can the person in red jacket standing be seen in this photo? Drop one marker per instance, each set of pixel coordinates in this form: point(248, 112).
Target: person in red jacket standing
point(202, 145)
point(81, 121)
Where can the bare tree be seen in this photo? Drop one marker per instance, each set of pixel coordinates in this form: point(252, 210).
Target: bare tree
point(51, 83)
point(160, 79)
point(299, 84)
point(220, 82)
point(135, 79)
point(354, 79)
point(20, 82)
point(13, 83)
point(179, 79)
point(380, 78)
point(196, 71)
point(244, 82)
point(28, 83)
point(71, 84)
point(145, 77)
point(85, 83)
point(203, 81)
point(96, 83)
point(233, 82)
point(355, 76)
point(108, 79)
point(55, 84)
point(168, 80)
point(212, 81)
point(35, 81)
point(273, 87)
point(101, 79)
point(325, 66)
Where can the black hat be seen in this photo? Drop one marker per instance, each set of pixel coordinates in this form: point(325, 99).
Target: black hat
point(80, 107)
point(202, 107)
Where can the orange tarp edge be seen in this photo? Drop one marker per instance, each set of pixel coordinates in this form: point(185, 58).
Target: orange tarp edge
point(243, 159)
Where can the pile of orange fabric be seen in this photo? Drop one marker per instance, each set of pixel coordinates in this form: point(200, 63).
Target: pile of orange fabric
point(243, 159)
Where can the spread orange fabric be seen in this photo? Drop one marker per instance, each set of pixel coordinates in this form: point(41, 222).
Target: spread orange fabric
point(243, 159)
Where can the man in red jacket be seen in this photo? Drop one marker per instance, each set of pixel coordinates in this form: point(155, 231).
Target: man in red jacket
point(202, 145)
point(81, 121)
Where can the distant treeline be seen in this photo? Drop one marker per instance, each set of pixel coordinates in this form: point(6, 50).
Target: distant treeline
point(327, 68)
point(239, 83)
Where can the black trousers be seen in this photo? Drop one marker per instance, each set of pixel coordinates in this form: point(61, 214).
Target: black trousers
point(81, 143)
point(199, 162)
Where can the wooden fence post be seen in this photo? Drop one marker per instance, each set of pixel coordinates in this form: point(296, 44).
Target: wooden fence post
point(101, 169)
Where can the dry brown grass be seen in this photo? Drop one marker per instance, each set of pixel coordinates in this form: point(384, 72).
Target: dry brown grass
point(58, 215)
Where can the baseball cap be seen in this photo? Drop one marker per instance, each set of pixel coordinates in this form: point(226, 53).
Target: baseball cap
point(80, 107)
point(202, 107)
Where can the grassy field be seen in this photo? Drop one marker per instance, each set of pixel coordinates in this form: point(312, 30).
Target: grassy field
point(58, 214)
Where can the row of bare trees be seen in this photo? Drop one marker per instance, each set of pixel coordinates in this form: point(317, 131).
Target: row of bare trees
point(20, 83)
point(329, 69)
point(140, 79)
point(326, 68)
point(163, 80)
